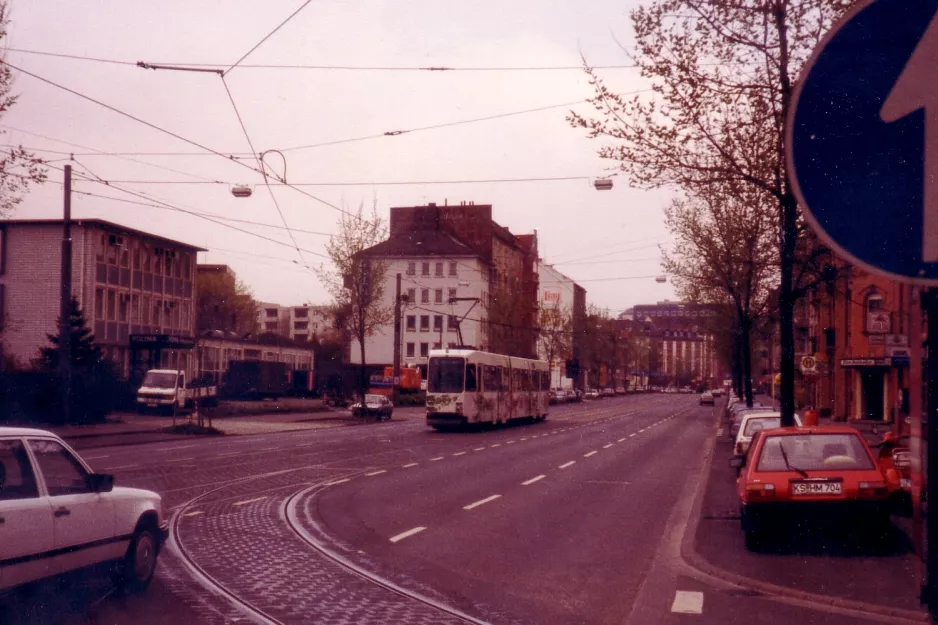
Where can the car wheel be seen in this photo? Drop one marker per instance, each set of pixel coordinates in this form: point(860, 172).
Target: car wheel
point(140, 561)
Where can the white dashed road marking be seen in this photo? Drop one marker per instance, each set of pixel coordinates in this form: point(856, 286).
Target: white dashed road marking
point(476, 504)
point(631, 435)
point(342, 481)
point(376, 472)
point(621, 439)
point(459, 453)
point(437, 459)
point(607, 446)
point(247, 501)
point(510, 443)
point(406, 534)
point(126, 466)
point(533, 479)
point(479, 449)
point(496, 445)
point(687, 602)
point(412, 464)
point(567, 464)
point(589, 454)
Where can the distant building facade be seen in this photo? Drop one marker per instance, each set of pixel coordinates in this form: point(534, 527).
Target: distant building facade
point(299, 323)
point(557, 290)
point(681, 335)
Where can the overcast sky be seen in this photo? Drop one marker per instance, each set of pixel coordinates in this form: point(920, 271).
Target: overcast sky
point(593, 237)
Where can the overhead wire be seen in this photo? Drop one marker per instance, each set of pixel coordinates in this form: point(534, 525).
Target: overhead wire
point(260, 163)
point(266, 37)
point(360, 183)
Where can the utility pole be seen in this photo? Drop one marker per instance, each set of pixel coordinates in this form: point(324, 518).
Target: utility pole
point(397, 339)
point(65, 300)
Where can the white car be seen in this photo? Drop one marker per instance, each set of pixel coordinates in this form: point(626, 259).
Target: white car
point(57, 515)
point(756, 422)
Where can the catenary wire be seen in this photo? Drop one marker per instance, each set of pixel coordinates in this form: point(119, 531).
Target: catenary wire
point(266, 37)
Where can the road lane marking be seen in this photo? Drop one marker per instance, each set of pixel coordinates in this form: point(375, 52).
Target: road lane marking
point(496, 445)
point(247, 501)
point(589, 454)
point(267, 448)
point(407, 534)
point(459, 453)
point(567, 464)
point(510, 443)
point(479, 449)
point(621, 439)
point(96, 457)
point(342, 481)
point(379, 472)
point(193, 513)
point(126, 466)
point(412, 464)
point(175, 448)
point(476, 504)
point(524, 438)
point(436, 459)
point(533, 479)
point(632, 434)
point(607, 446)
point(230, 453)
point(687, 602)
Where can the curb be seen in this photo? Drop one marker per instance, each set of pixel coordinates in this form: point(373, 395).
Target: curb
point(697, 562)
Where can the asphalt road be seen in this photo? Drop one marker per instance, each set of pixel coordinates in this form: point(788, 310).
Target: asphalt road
point(575, 520)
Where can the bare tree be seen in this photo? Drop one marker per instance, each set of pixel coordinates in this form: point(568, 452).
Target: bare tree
point(724, 253)
point(555, 332)
point(722, 75)
point(356, 281)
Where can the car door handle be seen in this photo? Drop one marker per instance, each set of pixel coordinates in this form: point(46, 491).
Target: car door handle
point(63, 511)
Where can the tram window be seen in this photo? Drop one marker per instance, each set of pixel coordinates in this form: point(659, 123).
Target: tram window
point(545, 381)
point(470, 378)
point(491, 378)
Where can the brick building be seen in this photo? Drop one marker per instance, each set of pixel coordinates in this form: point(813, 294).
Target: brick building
point(459, 251)
point(136, 289)
point(682, 338)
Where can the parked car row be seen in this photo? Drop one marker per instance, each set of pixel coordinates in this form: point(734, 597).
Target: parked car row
point(818, 476)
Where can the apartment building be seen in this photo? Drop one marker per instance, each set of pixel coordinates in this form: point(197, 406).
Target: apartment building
point(299, 323)
point(555, 290)
point(683, 339)
point(137, 291)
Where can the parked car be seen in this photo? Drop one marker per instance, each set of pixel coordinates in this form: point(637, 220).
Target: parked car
point(620, 390)
point(591, 393)
point(756, 421)
point(706, 398)
point(717, 392)
point(608, 392)
point(58, 515)
point(737, 419)
point(809, 477)
point(894, 453)
point(557, 396)
point(373, 406)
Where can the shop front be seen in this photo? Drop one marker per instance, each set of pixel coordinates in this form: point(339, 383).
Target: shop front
point(159, 351)
point(872, 383)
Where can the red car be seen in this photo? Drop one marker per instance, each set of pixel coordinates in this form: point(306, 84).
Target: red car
point(810, 477)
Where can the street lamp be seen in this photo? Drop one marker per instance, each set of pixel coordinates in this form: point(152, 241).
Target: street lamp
point(603, 184)
point(241, 190)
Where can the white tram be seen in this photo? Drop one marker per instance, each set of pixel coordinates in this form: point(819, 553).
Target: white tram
point(470, 386)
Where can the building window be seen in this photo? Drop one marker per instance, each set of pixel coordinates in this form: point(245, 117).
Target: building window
point(411, 323)
point(438, 296)
point(424, 296)
point(452, 268)
point(301, 313)
point(437, 323)
point(145, 309)
point(411, 268)
point(123, 305)
point(156, 317)
point(410, 350)
point(452, 323)
point(412, 296)
point(437, 346)
point(424, 323)
point(877, 317)
point(424, 350)
point(271, 313)
point(439, 270)
point(301, 325)
point(145, 254)
point(452, 295)
point(99, 304)
point(111, 305)
point(425, 269)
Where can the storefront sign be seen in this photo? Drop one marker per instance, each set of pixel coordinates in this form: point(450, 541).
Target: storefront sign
point(865, 362)
point(161, 341)
point(877, 339)
point(897, 340)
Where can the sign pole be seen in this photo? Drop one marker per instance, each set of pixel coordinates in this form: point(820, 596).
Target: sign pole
point(931, 458)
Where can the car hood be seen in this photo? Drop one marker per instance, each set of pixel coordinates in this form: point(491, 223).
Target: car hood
point(125, 492)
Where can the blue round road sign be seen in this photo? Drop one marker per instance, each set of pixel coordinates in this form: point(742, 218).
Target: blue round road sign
point(862, 138)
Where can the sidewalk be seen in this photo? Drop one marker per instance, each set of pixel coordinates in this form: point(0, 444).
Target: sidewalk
point(879, 578)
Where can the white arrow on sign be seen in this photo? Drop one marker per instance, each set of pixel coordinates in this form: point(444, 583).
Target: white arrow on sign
point(916, 88)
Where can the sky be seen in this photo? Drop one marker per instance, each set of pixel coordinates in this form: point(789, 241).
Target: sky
point(606, 240)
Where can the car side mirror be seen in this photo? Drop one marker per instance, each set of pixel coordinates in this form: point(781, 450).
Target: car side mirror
point(737, 462)
point(102, 482)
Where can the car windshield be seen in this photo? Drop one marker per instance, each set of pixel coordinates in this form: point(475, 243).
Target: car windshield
point(814, 452)
point(373, 399)
point(446, 374)
point(159, 379)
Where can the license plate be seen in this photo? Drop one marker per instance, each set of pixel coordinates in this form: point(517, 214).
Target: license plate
point(905, 483)
point(816, 488)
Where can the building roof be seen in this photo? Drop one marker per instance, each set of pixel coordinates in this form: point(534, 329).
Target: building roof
point(103, 223)
point(420, 243)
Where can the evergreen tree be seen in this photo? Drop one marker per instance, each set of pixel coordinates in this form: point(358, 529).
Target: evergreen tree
point(85, 353)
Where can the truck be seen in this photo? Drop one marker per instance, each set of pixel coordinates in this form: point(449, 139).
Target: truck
point(167, 390)
point(256, 379)
point(409, 382)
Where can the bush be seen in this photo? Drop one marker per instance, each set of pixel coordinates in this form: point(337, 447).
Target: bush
point(36, 397)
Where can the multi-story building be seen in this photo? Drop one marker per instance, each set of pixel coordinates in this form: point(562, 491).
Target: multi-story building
point(137, 291)
point(853, 345)
point(682, 336)
point(555, 290)
point(461, 273)
point(300, 323)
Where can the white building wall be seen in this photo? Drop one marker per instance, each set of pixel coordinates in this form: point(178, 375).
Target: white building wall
point(554, 289)
point(471, 280)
